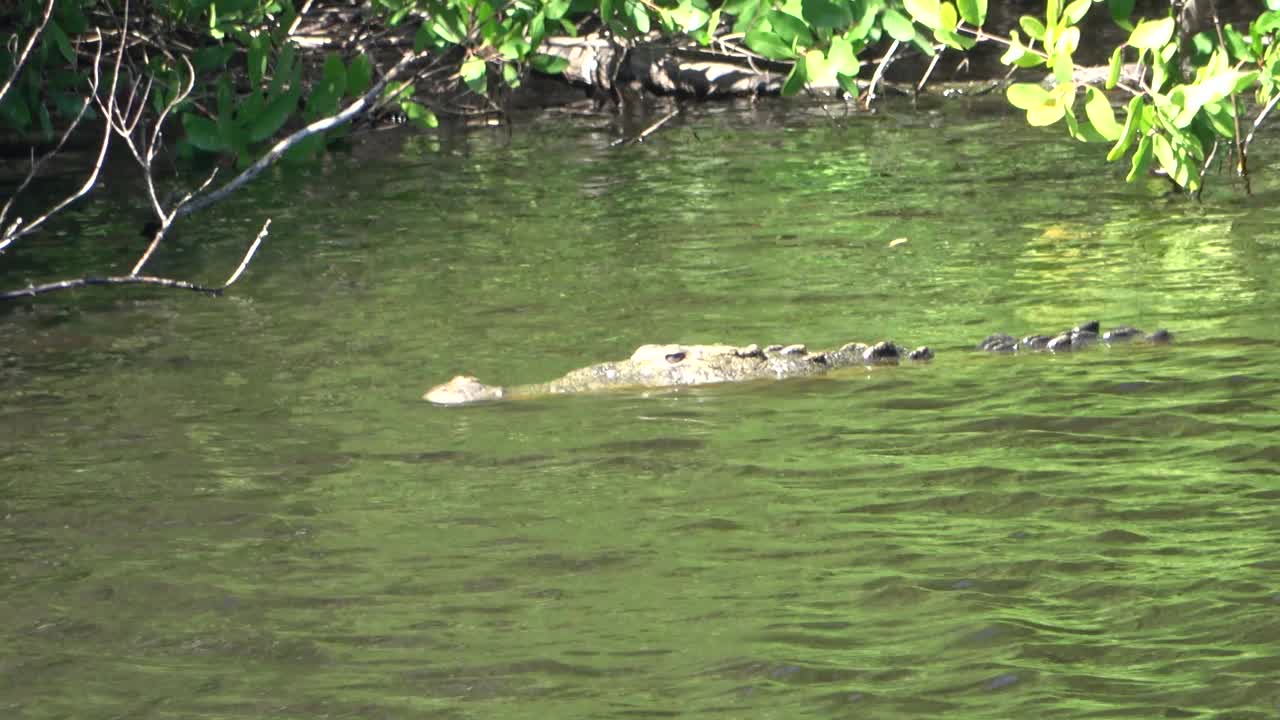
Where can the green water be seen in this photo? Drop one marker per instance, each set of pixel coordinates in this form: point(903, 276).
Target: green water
point(240, 507)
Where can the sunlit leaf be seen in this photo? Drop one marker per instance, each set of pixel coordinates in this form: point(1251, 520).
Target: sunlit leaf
point(1152, 34)
point(842, 58)
point(947, 16)
point(925, 12)
point(1032, 27)
point(1076, 10)
point(419, 115)
point(1046, 114)
point(1101, 115)
point(898, 26)
point(1117, 64)
point(1015, 51)
point(1025, 96)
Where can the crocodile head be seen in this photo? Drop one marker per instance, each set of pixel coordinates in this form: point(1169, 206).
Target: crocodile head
point(461, 390)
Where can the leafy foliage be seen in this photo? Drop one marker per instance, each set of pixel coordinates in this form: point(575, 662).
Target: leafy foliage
point(253, 82)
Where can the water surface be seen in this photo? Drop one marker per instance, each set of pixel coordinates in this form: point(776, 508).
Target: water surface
point(240, 507)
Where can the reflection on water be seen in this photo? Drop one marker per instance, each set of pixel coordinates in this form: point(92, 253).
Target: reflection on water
point(239, 508)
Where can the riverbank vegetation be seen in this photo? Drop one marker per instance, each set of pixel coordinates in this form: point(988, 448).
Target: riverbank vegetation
point(250, 83)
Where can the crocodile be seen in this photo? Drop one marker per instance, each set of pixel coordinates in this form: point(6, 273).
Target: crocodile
point(658, 366)
point(1077, 338)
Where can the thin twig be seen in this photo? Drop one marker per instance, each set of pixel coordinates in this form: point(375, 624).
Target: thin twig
point(646, 132)
point(26, 51)
point(1213, 152)
point(878, 75)
point(32, 290)
point(924, 79)
point(15, 231)
point(253, 248)
point(1242, 165)
point(1257, 122)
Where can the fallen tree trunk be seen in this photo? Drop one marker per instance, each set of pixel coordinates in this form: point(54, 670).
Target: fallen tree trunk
point(604, 63)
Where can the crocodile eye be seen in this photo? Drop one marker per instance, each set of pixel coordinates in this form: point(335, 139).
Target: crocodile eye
point(675, 357)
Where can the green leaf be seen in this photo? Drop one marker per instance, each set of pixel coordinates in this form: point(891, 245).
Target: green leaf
point(425, 38)
point(1141, 159)
point(1236, 43)
point(819, 72)
point(849, 85)
point(842, 58)
point(419, 115)
point(1133, 119)
point(359, 76)
point(1162, 149)
point(689, 18)
point(974, 12)
point(796, 80)
point(1063, 68)
point(1120, 12)
point(285, 71)
point(1026, 96)
point(272, 117)
point(215, 57)
point(1101, 115)
point(864, 23)
point(1152, 34)
point(954, 40)
point(1047, 114)
point(827, 14)
point(1076, 10)
point(510, 75)
point(257, 60)
point(639, 16)
point(473, 74)
point(925, 12)
point(1220, 119)
point(335, 73)
point(202, 133)
point(1117, 63)
point(1266, 22)
point(947, 16)
point(60, 39)
point(549, 64)
point(1067, 42)
point(898, 26)
point(791, 29)
point(555, 9)
point(1032, 27)
point(769, 45)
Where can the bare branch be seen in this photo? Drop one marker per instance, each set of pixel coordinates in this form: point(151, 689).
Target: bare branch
point(26, 51)
point(879, 73)
point(32, 290)
point(646, 132)
point(16, 231)
point(277, 151)
point(253, 248)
